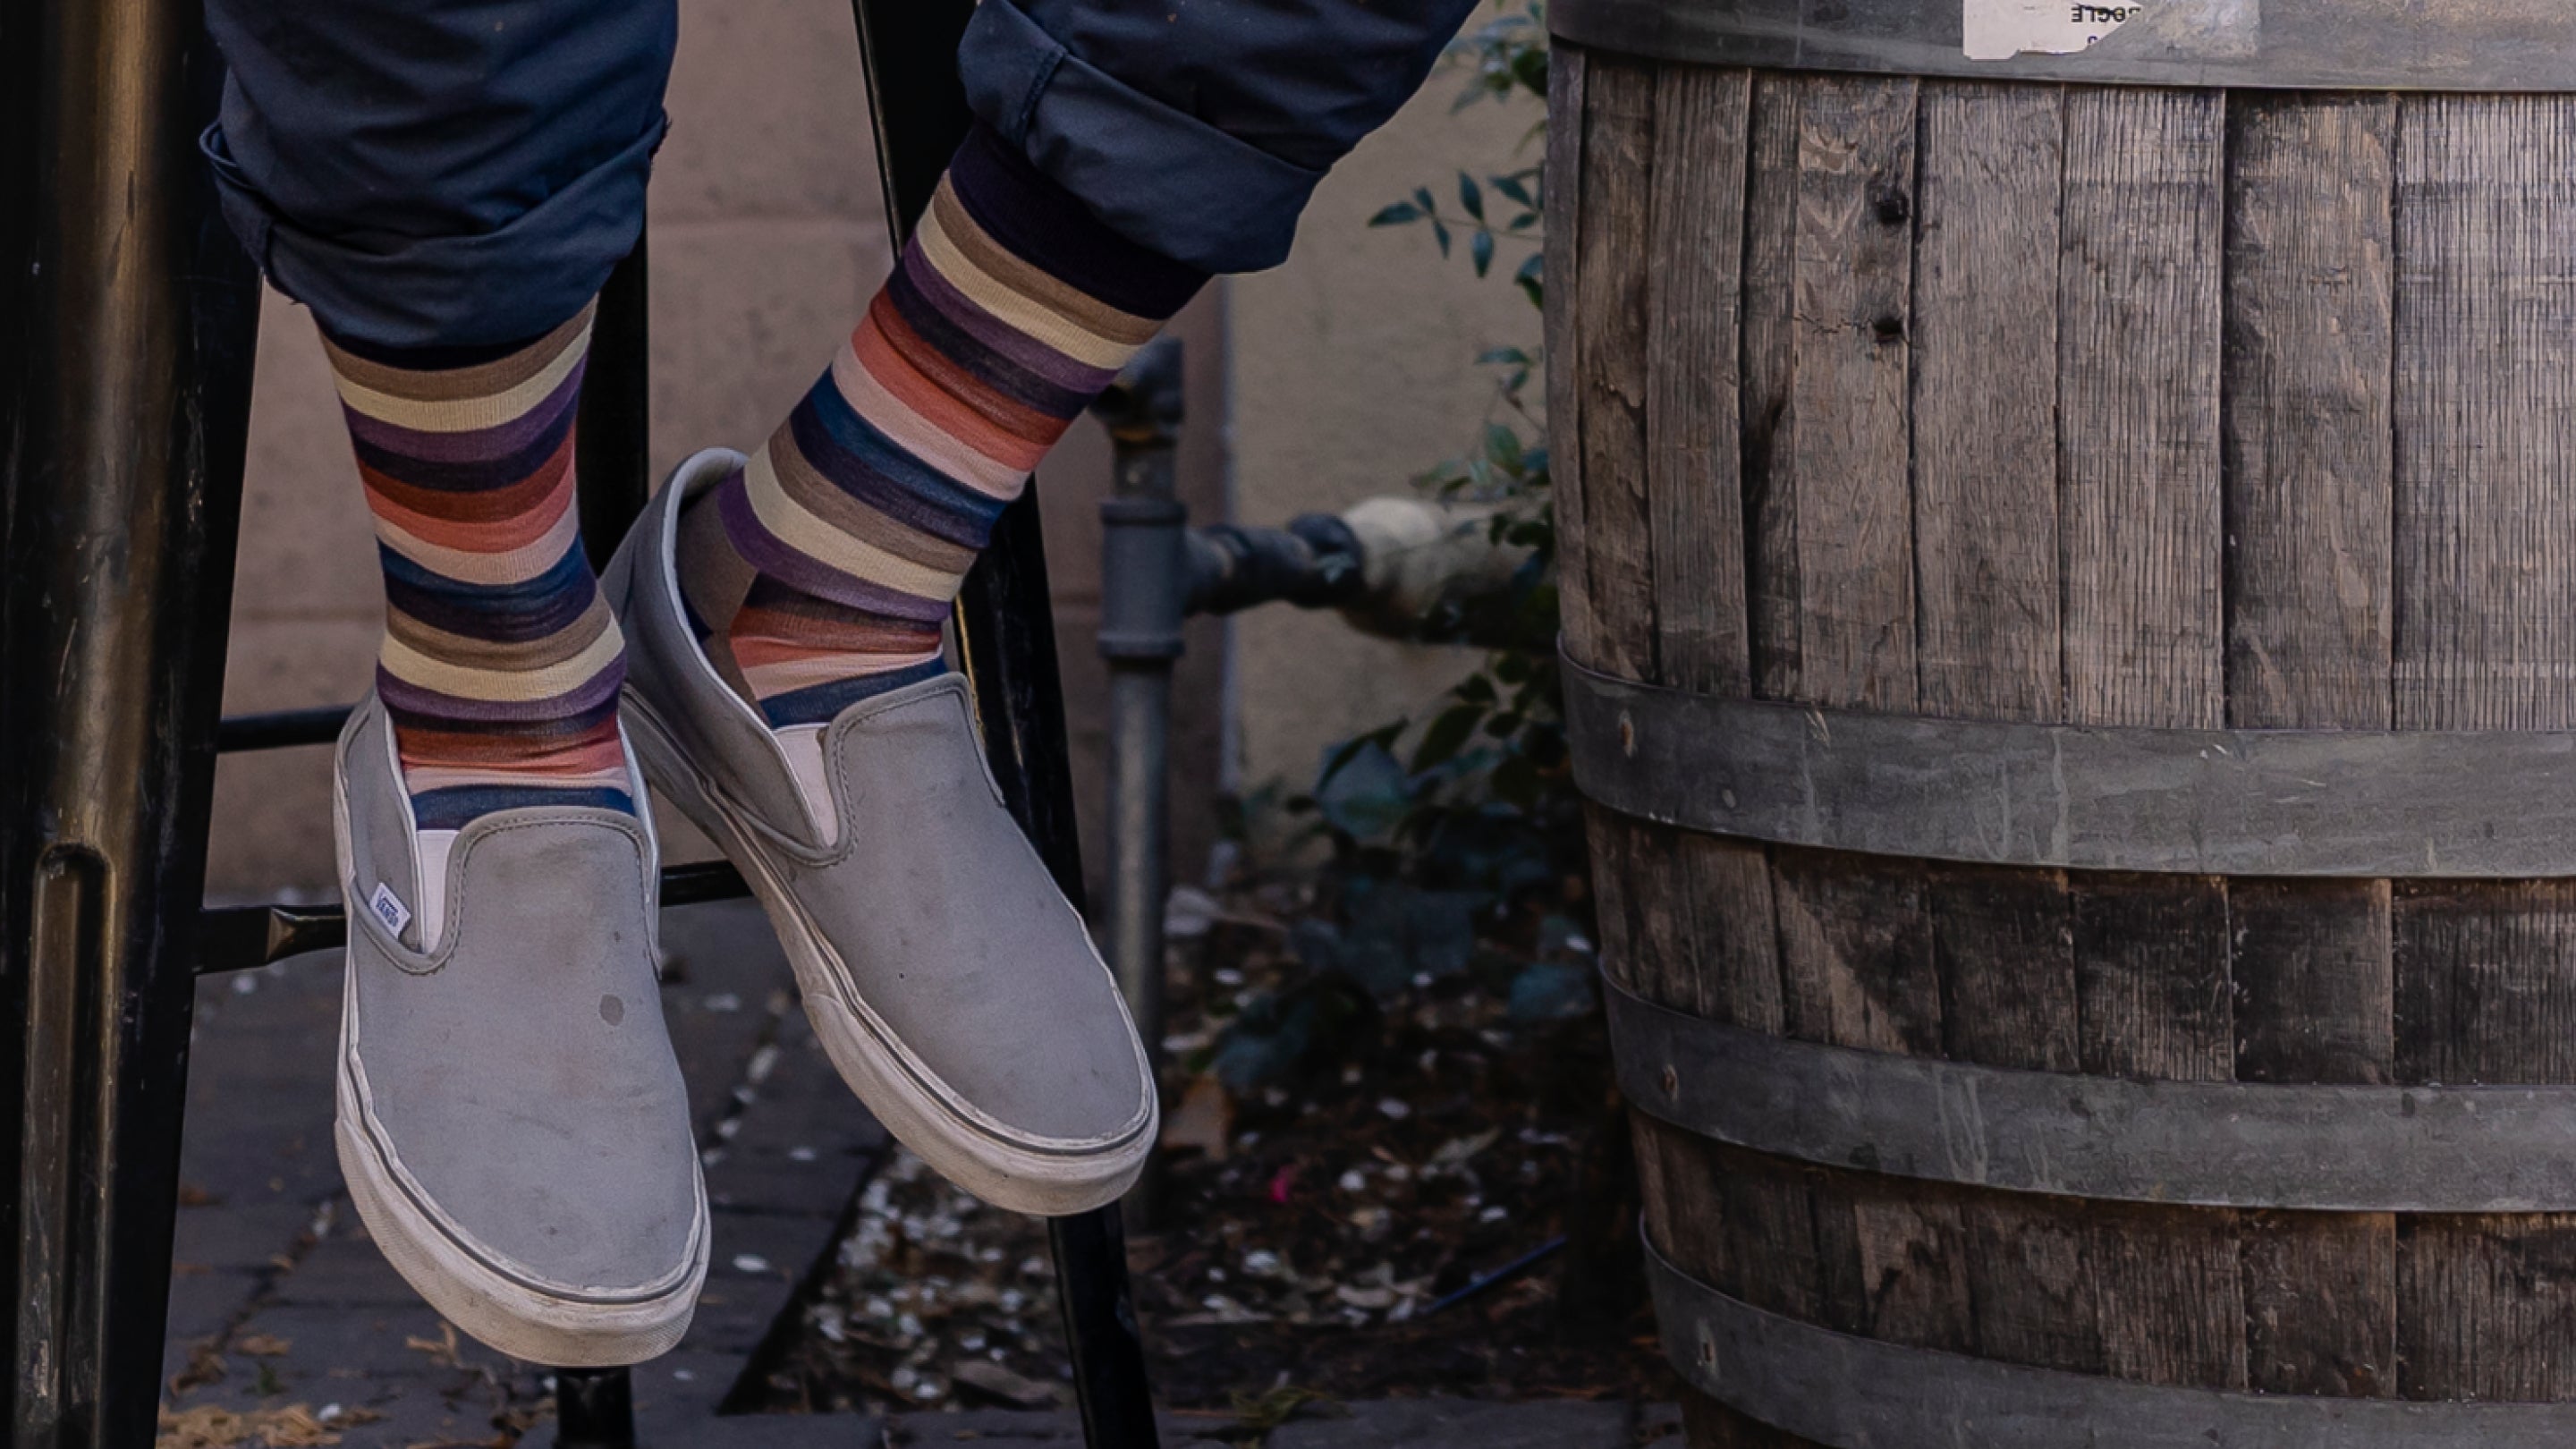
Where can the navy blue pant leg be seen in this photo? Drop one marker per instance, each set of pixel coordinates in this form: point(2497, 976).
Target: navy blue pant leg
point(1199, 127)
point(439, 173)
point(464, 173)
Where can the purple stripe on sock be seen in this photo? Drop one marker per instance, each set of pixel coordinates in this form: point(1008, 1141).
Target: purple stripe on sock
point(478, 445)
point(403, 697)
point(772, 556)
point(1002, 338)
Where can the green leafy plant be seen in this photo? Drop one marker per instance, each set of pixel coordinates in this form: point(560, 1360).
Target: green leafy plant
point(1477, 796)
point(1506, 59)
point(1456, 838)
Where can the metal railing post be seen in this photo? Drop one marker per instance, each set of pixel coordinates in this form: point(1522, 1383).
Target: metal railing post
point(594, 1409)
point(1006, 640)
point(130, 321)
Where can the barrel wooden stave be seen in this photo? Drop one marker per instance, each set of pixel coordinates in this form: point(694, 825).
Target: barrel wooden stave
point(2111, 406)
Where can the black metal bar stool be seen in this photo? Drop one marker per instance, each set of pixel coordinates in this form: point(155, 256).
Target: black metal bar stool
point(128, 322)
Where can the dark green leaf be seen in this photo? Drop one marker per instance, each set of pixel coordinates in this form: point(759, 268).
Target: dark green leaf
point(1396, 215)
point(1530, 278)
point(1351, 749)
point(1514, 187)
point(1480, 247)
point(1451, 729)
point(1440, 234)
point(1471, 196)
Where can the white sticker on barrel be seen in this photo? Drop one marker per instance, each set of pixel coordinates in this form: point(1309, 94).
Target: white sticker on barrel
point(2002, 29)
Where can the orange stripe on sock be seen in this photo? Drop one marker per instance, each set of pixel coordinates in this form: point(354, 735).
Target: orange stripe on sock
point(479, 505)
point(941, 406)
point(499, 534)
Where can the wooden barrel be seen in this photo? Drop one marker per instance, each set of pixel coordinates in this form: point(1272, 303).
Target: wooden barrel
point(2069, 570)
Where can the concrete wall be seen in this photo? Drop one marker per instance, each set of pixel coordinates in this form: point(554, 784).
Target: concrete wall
point(1351, 375)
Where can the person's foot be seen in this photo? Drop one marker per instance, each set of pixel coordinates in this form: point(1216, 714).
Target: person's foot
point(511, 1121)
point(953, 985)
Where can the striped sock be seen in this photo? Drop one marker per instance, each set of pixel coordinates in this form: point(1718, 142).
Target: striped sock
point(501, 662)
point(818, 574)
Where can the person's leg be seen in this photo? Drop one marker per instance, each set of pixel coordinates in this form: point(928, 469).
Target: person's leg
point(446, 185)
point(788, 689)
point(820, 573)
point(1127, 149)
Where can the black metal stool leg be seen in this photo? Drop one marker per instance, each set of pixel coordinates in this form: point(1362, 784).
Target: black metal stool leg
point(127, 323)
point(612, 454)
point(1006, 635)
point(594, 1409)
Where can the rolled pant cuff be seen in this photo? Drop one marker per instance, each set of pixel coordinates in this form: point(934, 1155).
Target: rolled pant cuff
point(1156, 176)
point(457, 291)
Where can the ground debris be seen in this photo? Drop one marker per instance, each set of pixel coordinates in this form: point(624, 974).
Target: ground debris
point(1305, 1230)
point(296, 1426)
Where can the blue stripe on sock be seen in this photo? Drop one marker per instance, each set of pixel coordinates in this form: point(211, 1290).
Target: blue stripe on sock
point(822, 703)
point(458, 806)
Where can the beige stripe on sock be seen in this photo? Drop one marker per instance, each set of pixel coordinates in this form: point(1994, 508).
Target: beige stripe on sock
point(960, 231)
point(445, 384)
point(800, 530)
point(1017, 310)
point(787, 676)
point(465, 414)
point(569, 642)
point(412, 666)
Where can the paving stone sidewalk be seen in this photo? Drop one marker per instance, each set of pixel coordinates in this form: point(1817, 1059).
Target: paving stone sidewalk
point(279, 1300)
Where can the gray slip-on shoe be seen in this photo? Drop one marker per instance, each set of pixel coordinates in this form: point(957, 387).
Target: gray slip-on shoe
point(512, 1122)
point(951, 982)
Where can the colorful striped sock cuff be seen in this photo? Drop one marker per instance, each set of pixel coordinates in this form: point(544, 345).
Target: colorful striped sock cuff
point(501, 662)
point(1006, 315)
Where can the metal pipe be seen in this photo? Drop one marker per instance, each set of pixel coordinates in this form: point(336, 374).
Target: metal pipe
point(1400, 568)
point(1005, 630)
point(1142, 583)
point(129, 319)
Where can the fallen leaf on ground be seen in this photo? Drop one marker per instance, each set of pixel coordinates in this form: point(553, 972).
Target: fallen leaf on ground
point(209, 1426)
point(205, 1366)
point(1011, 1388)
point(263, 1345)
point(442, 1350)
point(1204, 1119)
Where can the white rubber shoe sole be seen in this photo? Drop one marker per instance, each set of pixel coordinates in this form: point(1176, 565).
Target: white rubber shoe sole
point(532, 1322)
point(975, 1154)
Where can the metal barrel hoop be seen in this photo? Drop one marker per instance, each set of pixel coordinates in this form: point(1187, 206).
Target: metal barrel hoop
point(1845, 1390)
point(2279, 803)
